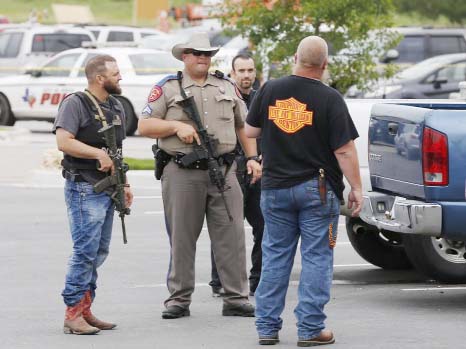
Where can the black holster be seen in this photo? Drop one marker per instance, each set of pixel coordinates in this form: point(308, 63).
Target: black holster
point(161, 160)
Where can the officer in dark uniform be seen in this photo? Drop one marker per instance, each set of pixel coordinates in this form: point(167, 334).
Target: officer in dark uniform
point(244, 74)
point(86, 162)
point(188, 192)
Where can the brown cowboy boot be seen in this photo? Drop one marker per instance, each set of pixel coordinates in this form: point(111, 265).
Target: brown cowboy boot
point(91, 319)
point(74, 321)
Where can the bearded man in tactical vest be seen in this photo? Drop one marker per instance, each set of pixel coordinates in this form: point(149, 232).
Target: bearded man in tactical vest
point(87, 162)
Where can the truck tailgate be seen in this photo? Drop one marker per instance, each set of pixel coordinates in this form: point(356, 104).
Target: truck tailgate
point(396, 149)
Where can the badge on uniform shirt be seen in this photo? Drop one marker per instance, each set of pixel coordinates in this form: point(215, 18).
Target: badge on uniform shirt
point(155, 94)
point(221, 89)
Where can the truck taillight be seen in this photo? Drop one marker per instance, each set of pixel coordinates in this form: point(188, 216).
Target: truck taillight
point(434, 157)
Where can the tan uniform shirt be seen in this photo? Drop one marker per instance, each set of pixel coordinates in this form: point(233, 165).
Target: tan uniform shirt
point(219, 104)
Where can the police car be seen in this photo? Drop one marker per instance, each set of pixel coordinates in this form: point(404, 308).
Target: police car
point(37, 94)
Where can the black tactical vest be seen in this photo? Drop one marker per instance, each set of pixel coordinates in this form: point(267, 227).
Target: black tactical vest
point(90, 136)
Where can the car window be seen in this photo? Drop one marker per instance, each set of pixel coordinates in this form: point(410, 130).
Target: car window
point(440, 45)
point(60, 66)
point(10, 44)
point(150, 63)
point(83, 64)
point(411, 49)
point(453, 72)
point(57, 42)
point(120, 36)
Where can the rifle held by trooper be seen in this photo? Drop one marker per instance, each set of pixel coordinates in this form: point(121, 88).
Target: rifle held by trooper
point(208, 146)
point(118, 179)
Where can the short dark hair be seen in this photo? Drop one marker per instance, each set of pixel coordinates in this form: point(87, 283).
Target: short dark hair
point(96, 66)
point(242, 56)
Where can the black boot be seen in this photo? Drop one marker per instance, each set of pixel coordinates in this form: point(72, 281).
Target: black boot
point(175, 311)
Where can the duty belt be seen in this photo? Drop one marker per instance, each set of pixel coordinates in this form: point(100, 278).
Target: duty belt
point(202, 164)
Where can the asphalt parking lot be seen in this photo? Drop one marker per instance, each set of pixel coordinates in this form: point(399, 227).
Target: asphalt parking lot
point(369, 308)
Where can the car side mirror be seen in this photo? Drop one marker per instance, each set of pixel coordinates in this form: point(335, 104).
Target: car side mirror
point(390, 55)
point(438, 83)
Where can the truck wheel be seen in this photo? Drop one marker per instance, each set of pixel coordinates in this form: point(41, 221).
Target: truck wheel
point(131, 120)
point(6, 116)
point(439, 258)
point(381, 248)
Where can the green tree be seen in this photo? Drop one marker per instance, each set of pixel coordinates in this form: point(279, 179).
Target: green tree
point(453, 10)
point(275, 29)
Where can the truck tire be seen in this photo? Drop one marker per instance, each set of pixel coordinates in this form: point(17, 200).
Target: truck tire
point(131, 120)
point(439, 258)
point(381, 248)
point(6, 116)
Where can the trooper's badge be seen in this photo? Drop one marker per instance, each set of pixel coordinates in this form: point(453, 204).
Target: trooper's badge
point(155, 94)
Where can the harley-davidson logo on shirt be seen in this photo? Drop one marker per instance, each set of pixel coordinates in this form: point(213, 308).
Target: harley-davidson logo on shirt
point(290, 115)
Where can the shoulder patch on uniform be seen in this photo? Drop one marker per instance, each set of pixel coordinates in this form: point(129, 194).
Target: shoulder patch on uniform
point(154, 94)
point(156, 91)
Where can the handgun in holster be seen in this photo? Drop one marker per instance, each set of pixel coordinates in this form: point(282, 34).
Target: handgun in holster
point(161, 160)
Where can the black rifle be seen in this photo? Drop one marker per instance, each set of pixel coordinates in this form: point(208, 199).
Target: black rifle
point(208, 145)
point(118, 179)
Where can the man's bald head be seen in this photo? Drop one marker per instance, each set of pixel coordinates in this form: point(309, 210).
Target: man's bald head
point(312, 52)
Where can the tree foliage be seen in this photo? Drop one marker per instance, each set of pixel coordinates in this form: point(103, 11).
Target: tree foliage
point(275, 28)
point(454, 10)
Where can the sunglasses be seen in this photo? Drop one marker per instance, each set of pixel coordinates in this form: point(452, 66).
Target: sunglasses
point(199, 53)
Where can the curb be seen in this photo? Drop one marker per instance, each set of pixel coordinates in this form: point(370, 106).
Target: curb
point(10, 133)
point(52, 178)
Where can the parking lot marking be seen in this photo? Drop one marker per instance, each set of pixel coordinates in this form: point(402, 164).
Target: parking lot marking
point(352, 265)
point(153, 212)
point(292, 283)
point(457, 288)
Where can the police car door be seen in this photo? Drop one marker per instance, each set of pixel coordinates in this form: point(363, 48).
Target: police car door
point(48, 86)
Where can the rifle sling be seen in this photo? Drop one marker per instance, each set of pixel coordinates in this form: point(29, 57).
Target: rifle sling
point(100, 115)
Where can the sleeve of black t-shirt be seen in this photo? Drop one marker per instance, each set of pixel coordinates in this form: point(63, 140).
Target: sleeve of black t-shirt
point(341, 127)
point(254, 117)
point(70, 115)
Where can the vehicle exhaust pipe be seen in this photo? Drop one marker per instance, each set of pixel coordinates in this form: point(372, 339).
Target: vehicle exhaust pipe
point(359, 229)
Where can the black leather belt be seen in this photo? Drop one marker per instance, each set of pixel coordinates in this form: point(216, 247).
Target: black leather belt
point(72, 176)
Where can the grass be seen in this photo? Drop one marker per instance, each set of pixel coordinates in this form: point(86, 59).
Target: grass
point(121, 12)
point(104, 11)
point(140, 164)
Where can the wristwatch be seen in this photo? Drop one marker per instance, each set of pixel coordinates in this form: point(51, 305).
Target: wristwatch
point(255, 158)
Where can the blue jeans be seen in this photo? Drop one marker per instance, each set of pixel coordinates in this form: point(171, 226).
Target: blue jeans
point(91, 218)
point(289, 214)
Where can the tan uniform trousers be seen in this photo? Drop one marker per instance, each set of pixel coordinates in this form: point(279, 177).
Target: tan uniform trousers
point(188, 196)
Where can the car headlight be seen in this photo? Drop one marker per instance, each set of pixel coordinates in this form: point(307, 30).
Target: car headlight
point(382, 91)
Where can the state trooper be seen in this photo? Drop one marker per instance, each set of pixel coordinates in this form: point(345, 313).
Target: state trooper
point(187, 190)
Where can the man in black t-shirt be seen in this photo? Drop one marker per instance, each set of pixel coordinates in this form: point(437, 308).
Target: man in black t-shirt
point(307, 145)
